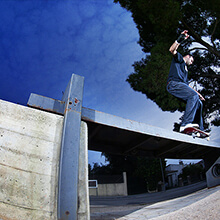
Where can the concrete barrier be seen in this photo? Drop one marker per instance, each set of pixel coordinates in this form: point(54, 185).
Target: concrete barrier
point(30, 143)
point(29, 159)
point(213, 174)
point(111, 189)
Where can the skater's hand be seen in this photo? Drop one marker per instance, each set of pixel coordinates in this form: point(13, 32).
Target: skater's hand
point(185, 32)
point(183, 36)
point(200, 96)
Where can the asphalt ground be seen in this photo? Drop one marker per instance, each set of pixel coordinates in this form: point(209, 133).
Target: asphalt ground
point(149, 205)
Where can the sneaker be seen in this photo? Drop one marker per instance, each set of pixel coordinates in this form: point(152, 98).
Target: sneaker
point(182, 128)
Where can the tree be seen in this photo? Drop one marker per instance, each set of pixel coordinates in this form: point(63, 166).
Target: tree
point(147, 169)
point(150, 169)
point(194, 171)
point(159, 23)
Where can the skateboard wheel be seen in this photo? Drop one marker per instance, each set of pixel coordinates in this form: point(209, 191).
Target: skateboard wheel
point(198, 135)
point(208, 138)
point(193, 135)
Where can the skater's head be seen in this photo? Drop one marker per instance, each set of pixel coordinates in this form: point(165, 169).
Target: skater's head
point(188, 59)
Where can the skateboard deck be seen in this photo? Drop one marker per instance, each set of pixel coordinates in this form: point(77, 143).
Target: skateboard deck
point(195, 132)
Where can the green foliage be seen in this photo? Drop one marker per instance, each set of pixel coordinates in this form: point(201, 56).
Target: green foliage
point(150, 169)
point(192, 170)
point(119, 163)
point(138, 167)
point(149, 78)
point(159, 23)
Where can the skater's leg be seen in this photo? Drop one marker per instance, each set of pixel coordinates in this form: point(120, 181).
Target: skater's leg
point(183, 91)
point(200, 116)
point(192, 105)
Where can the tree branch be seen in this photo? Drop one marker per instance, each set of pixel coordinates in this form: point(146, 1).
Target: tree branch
point(217, 76)
point(213, 32)
point(198, 48)
point(199, 40)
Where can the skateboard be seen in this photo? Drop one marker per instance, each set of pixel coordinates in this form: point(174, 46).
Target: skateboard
point(195, 132)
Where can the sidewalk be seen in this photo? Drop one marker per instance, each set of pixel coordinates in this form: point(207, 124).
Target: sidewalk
point(202, 205)
point(163, 205)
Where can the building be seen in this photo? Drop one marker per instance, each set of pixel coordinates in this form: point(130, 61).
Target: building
point(172, 173)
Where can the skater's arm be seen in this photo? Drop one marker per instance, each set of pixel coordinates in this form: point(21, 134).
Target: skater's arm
point(200, 96)
point(174, 47)
point(183, 36)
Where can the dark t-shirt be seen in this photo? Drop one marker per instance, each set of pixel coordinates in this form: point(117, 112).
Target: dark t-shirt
point(178, 69)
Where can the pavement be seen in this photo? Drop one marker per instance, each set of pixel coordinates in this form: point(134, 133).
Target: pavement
point(195, 201)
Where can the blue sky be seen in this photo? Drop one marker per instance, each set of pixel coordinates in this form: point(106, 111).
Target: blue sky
point(42, 42)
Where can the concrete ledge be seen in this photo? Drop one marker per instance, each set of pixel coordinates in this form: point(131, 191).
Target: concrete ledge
point(29, 158)
point(213, 175)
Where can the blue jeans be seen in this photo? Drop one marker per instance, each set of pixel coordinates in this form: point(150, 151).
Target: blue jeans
point(193, 103)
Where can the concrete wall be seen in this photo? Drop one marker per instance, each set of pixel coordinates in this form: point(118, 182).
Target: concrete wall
point(213, 174)
point(29, 158)
point(112, 189)
point(30, 143)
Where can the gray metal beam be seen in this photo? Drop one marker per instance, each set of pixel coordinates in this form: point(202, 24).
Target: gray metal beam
point(91, 115)
point(46, 104)
point(69, 155)
point(100, 118)
point(70, 106)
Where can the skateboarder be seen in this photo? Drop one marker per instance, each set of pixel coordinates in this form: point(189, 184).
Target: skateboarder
point(178, 85)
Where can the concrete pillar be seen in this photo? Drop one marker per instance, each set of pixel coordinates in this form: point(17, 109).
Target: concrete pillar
point(83, 188)
point(125, 184)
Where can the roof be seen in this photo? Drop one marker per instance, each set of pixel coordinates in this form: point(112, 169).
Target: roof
point(116, 135)
point(113, 134)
